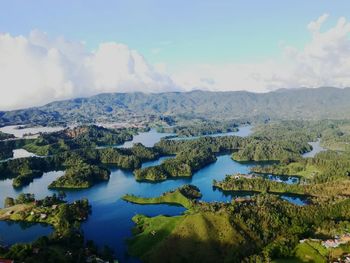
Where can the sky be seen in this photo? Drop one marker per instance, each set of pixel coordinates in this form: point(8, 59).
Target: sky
point(53, 50)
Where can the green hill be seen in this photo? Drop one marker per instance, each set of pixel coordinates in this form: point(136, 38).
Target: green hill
point(321, 103)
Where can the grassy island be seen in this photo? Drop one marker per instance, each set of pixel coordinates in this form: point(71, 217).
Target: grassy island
point(182, 196)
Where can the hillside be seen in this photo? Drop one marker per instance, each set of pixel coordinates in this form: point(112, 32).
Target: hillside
point(321, 103)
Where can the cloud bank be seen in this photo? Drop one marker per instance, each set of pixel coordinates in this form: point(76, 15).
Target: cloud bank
point(35, 70)
point(324, 61)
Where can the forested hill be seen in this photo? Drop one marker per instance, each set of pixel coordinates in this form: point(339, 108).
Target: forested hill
point(304, 103)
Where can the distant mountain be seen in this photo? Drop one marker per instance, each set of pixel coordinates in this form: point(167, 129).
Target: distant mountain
point(303, 103)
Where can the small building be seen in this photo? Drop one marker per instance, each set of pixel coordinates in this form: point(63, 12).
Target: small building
point(43, 216)
point(330, 243)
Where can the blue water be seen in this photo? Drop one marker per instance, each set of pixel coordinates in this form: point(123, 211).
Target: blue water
point(297, 200)
point(148, 139)
point(110, 222)
point(13, 232)
point(316, 148)
point(281, 178)
point(243, 131)
point(38, 187)
point(156, 162)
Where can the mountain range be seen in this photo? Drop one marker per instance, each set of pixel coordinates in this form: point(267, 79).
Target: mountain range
point(303, 103)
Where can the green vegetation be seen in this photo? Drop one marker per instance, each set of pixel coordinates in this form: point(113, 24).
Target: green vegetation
point(50, 210)
point(264, 226)
point(201, 128)
point(183, 165)
point(182, 196)
point(252, 148)
point(66, 244)
point(300, 168)
point(256, 230)
point(81, 175)
point(155, 238)
point(149, 232)
point(322, 103)
point(283, 142)
point(25, 179)
point(79, 156)
point(24, 170)
point(324, 167)
point(131, 158)
point(328, 191)
point(78, 137)
point(7, 147)
point(258, 184)
point(309, 250)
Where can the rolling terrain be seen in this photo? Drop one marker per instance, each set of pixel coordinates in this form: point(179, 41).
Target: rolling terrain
point(321, 103)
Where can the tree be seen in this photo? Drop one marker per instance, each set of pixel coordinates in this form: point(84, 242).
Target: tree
point(9, 201)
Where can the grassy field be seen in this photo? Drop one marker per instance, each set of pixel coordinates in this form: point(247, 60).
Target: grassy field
point(308, 251)
point(294, 169)
point(14, 212)
point(199, 237)
point(30, 213)
point(150, 232)
point(175, 198)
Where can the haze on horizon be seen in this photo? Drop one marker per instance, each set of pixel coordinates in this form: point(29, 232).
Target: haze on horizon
point(52, 51)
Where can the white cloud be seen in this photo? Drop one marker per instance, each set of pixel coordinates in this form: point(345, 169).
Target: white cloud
point(252, 77)
point(315, 26)
point(35, 70)
point(324, 61)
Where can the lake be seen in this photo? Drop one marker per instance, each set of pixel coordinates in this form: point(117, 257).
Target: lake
point(316, 148)
point(13, 232)
point(110, 222)
point(148, 139)
point(243, 131)
point(19, 153)
point(20, 132)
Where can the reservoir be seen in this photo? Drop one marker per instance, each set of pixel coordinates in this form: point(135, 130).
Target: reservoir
point(110, 222)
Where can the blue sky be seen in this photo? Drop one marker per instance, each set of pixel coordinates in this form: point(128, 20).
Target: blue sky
point(175, 32)
point(53, 50)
